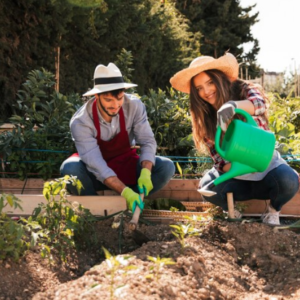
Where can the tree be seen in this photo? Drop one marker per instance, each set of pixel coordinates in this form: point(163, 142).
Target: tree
point(77, 35)
point(224, 25)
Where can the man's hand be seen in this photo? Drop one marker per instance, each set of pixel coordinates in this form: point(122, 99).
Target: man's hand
point(132, 199)
point(144, 182)
point(225, 114)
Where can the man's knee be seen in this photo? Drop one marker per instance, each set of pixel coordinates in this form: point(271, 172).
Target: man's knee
point(71, 167)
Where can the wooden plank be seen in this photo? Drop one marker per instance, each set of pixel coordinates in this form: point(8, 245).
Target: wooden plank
point(181, 185)
point(176, 189)
point(12, 183)
point(184, 195)
point(98, 205)
point(259, 206)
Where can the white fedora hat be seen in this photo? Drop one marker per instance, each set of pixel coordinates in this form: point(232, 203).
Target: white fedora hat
point(108, 79)
point(227, 63)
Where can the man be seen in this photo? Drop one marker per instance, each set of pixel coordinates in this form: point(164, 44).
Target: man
point(104, 129)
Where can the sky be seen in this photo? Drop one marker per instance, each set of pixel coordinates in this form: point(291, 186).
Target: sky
point(278, 33)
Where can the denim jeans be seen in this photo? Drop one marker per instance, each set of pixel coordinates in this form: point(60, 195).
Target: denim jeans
point(279, 185)
point(161, 173)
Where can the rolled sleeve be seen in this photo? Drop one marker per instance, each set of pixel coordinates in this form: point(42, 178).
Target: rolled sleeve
point(255, 96)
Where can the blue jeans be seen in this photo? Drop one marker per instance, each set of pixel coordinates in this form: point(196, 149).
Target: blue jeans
point(279, 185)
point(161, 173)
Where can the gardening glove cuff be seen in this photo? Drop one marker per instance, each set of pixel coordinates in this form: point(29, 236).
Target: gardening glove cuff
point(132, 199)
point(144, 182)
point(225, 114)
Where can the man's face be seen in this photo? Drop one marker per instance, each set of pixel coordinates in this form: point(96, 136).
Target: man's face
point(109, 105)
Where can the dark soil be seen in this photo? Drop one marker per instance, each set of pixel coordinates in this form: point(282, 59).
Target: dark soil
point(228, 260)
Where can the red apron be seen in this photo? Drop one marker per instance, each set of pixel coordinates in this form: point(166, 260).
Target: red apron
point(117, 152)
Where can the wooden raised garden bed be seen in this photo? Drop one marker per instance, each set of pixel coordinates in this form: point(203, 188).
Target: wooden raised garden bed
point(183, 190)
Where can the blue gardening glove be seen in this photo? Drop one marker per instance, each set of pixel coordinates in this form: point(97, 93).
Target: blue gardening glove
point(225, 114)
point(132, 199)
point(144, 182)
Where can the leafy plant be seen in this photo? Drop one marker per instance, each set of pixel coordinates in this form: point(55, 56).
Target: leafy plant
point(283, 120)
point(182, 231)
point(115, 265)
point(14, 241)
point(41, 125)
point(63, 221)
point(169, 119)
point(196, 221)
point(159, 264)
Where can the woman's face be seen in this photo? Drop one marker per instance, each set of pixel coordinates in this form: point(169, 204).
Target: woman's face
point(206, 88)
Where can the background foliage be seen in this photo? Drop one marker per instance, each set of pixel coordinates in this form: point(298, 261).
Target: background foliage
point(162, 36)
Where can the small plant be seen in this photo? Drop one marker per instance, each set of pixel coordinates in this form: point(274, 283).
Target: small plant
point(241, 207)
point(195, 221)
point(216, 212)
point(61, 220)
point(15, 236)
point(181, 231)
point(179, 170)
point(115, 265)
point(12, 242)
point(174, 209)
point(159, 264)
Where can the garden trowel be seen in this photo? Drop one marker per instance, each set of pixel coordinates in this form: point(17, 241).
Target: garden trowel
point(137, 235)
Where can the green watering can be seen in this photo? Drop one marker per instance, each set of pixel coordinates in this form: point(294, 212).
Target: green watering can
point(248, 148)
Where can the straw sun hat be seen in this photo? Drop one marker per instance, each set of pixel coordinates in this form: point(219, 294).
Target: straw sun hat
point(227, 63)
point(108, 79)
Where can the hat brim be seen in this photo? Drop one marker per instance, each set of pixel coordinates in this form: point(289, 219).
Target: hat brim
point(228, 64)
point(107, 88)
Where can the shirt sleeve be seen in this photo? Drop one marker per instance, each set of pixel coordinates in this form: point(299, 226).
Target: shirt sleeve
point(254, 95)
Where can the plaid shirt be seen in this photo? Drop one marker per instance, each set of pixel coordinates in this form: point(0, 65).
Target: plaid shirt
point(255, 96)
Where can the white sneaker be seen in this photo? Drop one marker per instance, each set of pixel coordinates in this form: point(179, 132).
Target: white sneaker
point(271, 217)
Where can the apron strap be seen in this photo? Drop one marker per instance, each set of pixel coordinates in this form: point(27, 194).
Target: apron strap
point(122, 120)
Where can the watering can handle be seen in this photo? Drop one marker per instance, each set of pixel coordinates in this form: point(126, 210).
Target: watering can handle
point(247, 116)
point(249, 120)
point(217, 142)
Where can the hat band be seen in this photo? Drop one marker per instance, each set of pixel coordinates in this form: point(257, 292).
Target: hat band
point(109, 80)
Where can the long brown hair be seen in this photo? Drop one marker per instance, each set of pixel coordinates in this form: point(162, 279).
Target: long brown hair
point(204, 115)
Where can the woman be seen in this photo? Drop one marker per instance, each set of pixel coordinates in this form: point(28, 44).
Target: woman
point(215, 92)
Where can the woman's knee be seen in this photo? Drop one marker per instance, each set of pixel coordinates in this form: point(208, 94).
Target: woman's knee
point(286, 180)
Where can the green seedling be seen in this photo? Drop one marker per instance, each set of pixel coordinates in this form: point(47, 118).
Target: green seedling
point(173, 209)
point(159, 264)
point(179, 170)
point(196, 221)
point(181, 231)
point(115, 265)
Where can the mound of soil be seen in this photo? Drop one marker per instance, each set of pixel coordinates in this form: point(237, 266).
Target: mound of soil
point(228, 260)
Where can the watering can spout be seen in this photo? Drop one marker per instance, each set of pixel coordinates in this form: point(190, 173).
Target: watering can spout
point(237, 169)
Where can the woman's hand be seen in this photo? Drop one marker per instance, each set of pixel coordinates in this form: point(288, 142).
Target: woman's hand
point(225, 114)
